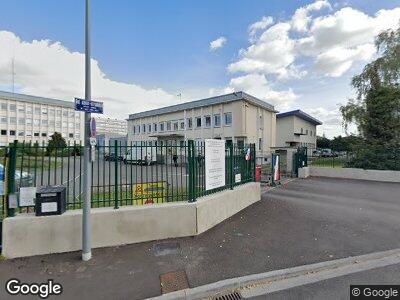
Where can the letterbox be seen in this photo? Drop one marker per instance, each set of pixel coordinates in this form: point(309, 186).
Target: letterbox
point(50, 200)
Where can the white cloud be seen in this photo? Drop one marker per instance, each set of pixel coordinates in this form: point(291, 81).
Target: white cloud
point(49, 69)
point(260, 25)
point(218, 43)
point(332, 42)
point(301, 17)
point(257, 85)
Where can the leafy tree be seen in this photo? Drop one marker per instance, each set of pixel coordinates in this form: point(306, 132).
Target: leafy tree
point(323, 142)
point(56, 141)
point(376, 109)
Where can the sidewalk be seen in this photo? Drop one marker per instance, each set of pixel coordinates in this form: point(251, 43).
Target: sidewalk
point(303, 222)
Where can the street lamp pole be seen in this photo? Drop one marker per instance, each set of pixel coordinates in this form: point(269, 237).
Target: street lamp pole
point(86, 224)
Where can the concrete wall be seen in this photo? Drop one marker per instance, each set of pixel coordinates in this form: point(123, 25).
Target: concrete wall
point(27, 235)
point(351, 173)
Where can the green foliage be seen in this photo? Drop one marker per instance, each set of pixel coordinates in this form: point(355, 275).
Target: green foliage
point(339, 143)
point(375, 158)
point(323, 142)
point(56, 142)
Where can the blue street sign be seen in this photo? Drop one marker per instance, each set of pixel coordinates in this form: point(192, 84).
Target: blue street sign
point(88, 106)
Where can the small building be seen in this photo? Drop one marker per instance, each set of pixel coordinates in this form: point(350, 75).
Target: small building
point(238, 117)
point(35, 119)
point(296, 128)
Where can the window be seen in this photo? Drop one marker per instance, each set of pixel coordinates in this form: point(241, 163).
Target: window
point(217, 120)
point(311, 132)
point(12, 132)
point(21, 108)
point(182, 125)
point(44, 111)
point(301, 130)
point(161, 126)
point(36, 134)
point(176, 125)
point(21, 121)
point(13, 107)
point(149, 127)
point(71, 135)
point(21, 133)
point(3, 120)
point(168, 126)
point(144, 128)
point(44, 134)
point(58, 112)
point(28, 133)
point(58, 124)
point(37, 110)
point(29, 121)
point(36, 122)
point(138, 128)
point(228, 119)
point(65, 113)
point(189, 122)
point(29, 109)
point(3, 106)
point(71, 113)
point(3, 132)
point(52, 123)
point(198, 121)
point(306, 131)
point(207, 121)
point(155, 127)
point(77, 125)
point(77, 136)
point(260, 144)
point(44, 122)
point(51, 111)
point(71, 125)
point(13, 120)
point(64, 124)
point(134, 129)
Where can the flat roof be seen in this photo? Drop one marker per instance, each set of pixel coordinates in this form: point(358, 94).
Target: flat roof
point(301, 114)
point(204, 102)
point(35, 99)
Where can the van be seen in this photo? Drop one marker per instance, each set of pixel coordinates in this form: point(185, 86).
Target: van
point(140, 155)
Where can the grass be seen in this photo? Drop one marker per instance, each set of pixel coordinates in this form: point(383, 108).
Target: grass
point(332, 162)
point(29, 162)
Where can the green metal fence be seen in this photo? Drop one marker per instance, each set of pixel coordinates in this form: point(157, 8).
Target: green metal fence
point(123, 174)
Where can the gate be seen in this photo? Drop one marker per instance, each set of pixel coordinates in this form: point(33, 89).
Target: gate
point(299, 159)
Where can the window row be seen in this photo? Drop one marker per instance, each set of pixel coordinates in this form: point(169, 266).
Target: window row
point(28, 133)
point(176, 125)
point(308, 132)
point(37, 122)
point(39, 110)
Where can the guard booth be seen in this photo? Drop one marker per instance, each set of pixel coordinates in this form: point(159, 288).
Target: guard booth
point(300, 159)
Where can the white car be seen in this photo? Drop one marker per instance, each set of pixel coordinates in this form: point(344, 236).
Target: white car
point(140, 155)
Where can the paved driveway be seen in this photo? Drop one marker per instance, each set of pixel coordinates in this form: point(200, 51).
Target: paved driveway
point(304, 222)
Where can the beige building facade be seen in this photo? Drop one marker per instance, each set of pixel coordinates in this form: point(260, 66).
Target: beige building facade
point(238, 117)
point(35, 119)
point(296, 128)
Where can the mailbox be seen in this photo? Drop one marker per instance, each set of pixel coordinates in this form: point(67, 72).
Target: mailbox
point(50, 200)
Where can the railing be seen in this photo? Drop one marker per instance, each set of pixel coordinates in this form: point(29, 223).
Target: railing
point(122, 174)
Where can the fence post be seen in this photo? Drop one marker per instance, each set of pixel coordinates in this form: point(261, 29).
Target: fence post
point(254, 161)
point(12, 165)
point(191, 158)
point(116, 174)
point(230, 164)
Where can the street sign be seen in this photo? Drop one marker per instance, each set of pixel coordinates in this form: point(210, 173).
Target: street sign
point(88, 106)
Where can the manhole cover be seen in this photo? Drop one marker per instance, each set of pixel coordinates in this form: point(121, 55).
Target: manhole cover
point(167, 248)
point(228, 296)
point(173, 281)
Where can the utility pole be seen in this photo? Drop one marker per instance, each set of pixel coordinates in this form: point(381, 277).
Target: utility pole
point(86, 224)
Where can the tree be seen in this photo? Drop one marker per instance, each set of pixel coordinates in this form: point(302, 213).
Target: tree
point(56, 141)
point(323, 142)
point(376, 110)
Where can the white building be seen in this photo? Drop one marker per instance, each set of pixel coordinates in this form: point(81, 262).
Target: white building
point(34, 119)
point(296, 128)
point(239, 117)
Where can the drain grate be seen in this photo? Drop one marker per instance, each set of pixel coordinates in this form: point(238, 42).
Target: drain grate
point(229, 296)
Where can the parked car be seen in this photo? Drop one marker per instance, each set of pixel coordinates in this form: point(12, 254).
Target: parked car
point(21, 180)
point(111, 157)
point(142, 155)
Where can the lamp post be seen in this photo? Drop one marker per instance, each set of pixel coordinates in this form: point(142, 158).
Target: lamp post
point(86, 224)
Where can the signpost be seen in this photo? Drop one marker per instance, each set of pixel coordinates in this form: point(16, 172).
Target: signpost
point(215, 163)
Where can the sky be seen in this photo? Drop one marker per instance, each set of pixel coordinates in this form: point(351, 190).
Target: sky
point(292, 54)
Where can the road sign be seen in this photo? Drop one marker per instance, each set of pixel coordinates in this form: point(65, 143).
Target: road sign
point(93, 127)
point(88, 106)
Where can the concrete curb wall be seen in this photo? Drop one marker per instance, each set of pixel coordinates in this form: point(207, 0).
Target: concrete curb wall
point(351, 173)
point(28, 235)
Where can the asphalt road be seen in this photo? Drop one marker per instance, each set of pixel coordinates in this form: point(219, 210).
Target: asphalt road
point(304, 222)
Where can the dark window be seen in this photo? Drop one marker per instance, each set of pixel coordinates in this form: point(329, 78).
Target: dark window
point(44, 134)
point(4, 132)
point(198, 122)
point(207, 121)
point(227, 119)
point(12, 132)
point(36, 134)
point(71, 135)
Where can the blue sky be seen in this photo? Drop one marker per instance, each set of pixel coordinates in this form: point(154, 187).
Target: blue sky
point(166, 45)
